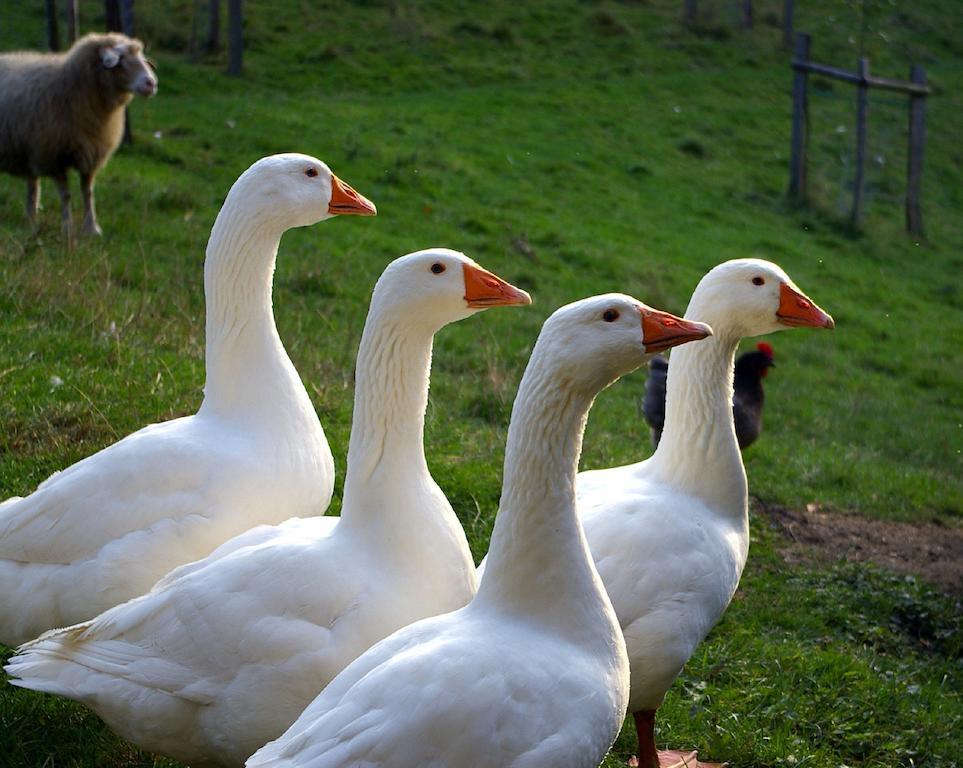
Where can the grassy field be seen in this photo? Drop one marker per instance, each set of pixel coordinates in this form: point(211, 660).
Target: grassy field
point(574, 148)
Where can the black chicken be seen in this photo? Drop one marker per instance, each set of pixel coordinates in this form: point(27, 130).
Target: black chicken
point(747, 397)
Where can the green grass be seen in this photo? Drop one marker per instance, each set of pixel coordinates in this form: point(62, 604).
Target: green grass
point(574, 148)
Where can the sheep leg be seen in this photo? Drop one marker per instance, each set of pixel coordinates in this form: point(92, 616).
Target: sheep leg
point(91, 227)
point(64, 189)
point(33, 199)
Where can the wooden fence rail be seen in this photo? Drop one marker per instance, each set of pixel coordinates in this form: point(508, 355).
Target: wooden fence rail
point(858, 78)
point(917, 90)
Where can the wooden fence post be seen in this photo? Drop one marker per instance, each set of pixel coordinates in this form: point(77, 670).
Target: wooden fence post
point(72, 14)
point(691, 11)
point(862, 103)
point(213, 26)
point(112, 15)
point(119, 17)
point(235, 37)
point(787, 11)
point(800, 120)
point(53, 34)
point(127, 17)
point(914, 161)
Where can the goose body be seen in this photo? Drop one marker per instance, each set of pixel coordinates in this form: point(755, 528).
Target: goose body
point(107, 528)
point(533, 671)
point(224, 654)
point(670, 535)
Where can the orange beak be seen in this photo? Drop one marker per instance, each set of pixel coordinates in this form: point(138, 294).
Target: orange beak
point(345, 201)
point(661, 330)
point(483, 289)
point(796, 309)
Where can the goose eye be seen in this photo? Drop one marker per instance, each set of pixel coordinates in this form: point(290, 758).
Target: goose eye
point(758, 281)
point(610, 315)
point(311, 172)
point(437, 268)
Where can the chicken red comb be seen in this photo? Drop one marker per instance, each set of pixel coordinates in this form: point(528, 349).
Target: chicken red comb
point(765, 349)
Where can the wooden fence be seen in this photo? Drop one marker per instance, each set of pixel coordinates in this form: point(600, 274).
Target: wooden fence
point(119, 16)
point(917, 90)
point(690, 12)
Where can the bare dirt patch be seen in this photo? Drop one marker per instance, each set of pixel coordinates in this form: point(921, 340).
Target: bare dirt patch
point(928, 550)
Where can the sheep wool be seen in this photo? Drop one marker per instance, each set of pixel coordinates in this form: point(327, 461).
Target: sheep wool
point(66, 110)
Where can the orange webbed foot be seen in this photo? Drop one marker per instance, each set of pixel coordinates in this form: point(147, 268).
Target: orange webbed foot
point(675, 758)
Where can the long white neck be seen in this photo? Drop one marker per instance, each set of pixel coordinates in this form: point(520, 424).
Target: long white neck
point(698, 452)
point(386, 449)
point(249, 374)
point(391, 502)
point(539, 564)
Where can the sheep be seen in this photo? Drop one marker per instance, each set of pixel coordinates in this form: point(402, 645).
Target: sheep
point(63, 110)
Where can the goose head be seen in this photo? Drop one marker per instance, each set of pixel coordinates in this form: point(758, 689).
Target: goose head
point(444, 285)
point(296, 190)
point(751, 297)
point(593, 342)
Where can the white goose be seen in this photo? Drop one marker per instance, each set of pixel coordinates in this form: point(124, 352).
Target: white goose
point(107, 528)
point(670, 534)
point(224, 654)
point(533, 671)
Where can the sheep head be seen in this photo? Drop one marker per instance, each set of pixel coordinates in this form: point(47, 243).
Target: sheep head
point(130, 70)
point(119, 65)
